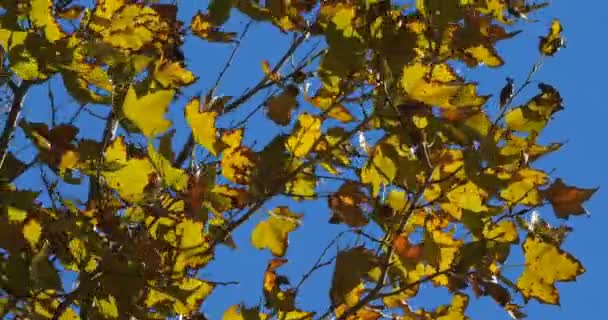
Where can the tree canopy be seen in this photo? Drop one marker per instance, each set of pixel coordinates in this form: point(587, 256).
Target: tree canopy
point(434, 181)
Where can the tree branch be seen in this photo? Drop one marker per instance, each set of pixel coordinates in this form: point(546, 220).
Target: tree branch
point(19, 93)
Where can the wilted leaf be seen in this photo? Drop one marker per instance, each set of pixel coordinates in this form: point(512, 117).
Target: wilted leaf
point(551, 43)
point(347, 205)
point(567, 200)
point(352, 267)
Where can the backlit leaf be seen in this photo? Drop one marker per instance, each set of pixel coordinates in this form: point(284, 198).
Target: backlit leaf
point(352, 267)
point(203, 126)
point(551, 43)
point(567, 200)
point(307, 131)
point(272, 233)
point(148, 112)
point(545, 265)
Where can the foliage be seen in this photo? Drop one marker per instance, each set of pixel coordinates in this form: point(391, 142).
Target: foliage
point(411, 149)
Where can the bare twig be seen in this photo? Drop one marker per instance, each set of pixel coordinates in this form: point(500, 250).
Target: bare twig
point(189, 146)
point(318, 264)
point(19, 93)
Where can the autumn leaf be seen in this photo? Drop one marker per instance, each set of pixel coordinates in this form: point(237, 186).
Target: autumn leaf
point(272, 233)
point(203, 126)
point(148, 112)
point(551, 43)
point(567, 200)
point(545, 265)
point(280, 107)
point(352, 267)
point(307, 131)
point(347, 205)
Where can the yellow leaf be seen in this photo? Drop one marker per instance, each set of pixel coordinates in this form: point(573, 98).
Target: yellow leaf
point(381, 170)
point(468, 196)
point(197, 291)
point(191, 234)
point(173, 74)
point(203, 27)
point(523, 187)
point(16, 214)
point(456, 310)
point(397, 200)
point(307, 132)
point(545, 265)
point(341, 113)
point(173, 177)
point(550, 44)
point(504, 231)
point(272, 233)
point(203, 126)
point(41, 16)
point(31, 232)
point(238, 312)
point(133, 174)
point(438, 88)
point(233, 138)
point(148, 112)
point(238, 164)
point(107, 307)
point(485, 55)
point(534, 115)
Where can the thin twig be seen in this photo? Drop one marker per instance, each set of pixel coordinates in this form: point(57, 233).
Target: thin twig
point(189, 145)
point(318, 264)
point(19, 93)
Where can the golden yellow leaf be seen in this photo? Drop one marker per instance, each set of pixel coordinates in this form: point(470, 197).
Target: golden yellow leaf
point(381, 170)
point(173, 177)
point(545, 265)
point(132, 176)
point(173, 74)
point(468, 196)
point(41, 16)
point(307, 132)
point(32, 230)
point(504, 231)
point(437, 88)
point(272, 233)
point(148, 112)
point(238, 164)
point(107, 307)
point(203, 126)
point(550, 44)
point(523, 187)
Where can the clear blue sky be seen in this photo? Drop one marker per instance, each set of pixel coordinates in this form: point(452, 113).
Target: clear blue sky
point(577, 71)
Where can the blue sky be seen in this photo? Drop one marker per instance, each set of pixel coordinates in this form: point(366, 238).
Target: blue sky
point(577, 71)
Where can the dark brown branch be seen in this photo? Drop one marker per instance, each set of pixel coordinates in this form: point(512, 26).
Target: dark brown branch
point(19, 93)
